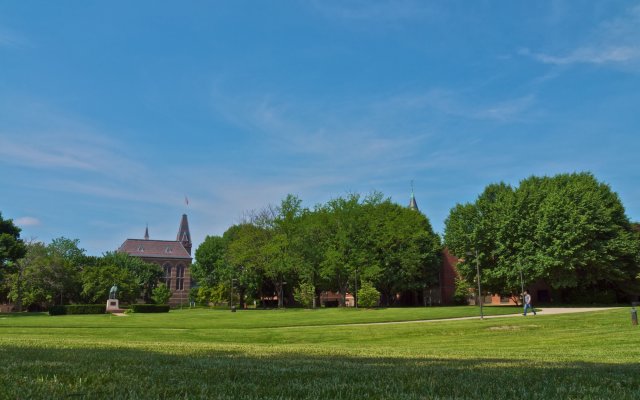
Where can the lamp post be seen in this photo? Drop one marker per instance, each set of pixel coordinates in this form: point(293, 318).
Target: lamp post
point(479, 286)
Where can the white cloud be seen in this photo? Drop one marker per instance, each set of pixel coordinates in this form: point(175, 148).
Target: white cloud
point(508, 110)
point(613, 42)
point(462, 104)
point(27, 221)
point(590, 55)
point(35, 135)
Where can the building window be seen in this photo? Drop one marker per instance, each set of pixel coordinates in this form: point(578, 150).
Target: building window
point(167, 275)
point(180, 277)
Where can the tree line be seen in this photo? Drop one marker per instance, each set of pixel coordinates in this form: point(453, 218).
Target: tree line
point(36, 276)
point(569, 231)
point(350, 244)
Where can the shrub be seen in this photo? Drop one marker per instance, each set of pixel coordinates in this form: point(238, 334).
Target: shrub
point(304, 294)
point(368, 295)
point(86, 309)
point(461, 295)
point(77, 309)
point(161, 294)
point(149, 308)
point(57, 310)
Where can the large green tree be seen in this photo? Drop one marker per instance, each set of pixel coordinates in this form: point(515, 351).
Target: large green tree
point(47, 274)
point(350, 239)
point(569, 230)
point(405, 249)
point(145, 275)
point(12, 248)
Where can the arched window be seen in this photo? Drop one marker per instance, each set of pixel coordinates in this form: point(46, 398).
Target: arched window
point(180, 277)
point(167, 275)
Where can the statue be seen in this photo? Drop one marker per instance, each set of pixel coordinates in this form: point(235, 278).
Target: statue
point(113, 291)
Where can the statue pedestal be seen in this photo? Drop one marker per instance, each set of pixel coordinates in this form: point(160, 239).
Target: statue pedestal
point(113, 305)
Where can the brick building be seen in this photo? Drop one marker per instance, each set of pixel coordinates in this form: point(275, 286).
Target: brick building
point(174, 256)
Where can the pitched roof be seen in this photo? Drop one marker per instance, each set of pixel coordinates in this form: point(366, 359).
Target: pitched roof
point(183, 231)
point(412, 203)
point(154, 248)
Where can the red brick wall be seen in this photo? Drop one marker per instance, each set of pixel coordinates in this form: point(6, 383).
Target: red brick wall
point(448, 276)
point(179, 297)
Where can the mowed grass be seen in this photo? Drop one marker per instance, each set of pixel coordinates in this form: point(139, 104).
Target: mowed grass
point(304, 354)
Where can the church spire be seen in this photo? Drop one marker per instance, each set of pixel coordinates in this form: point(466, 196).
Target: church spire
point(412, 202)
point(146, 233)
point(184, 236)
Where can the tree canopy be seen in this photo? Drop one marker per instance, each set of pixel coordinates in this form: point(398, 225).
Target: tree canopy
point(12, 248)
point(288, 249)
point(568, 230)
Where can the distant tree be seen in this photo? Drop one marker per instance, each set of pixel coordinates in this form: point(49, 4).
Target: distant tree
point(98, 279)
point(12, 248)
point(210, 265)
point(569, 230)
point(283, 249)
point(161, 294)
point(346, 251)
point(462, 291)
point(304, 294)
point(405, 250)
point(313, 241)
point(216, 294)
point(368, 295)
point(68, 249)
point(246, 259)
point(145, 275)
point(47, 275)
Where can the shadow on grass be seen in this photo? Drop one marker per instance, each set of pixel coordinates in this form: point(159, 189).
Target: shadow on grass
point(29, 372)
point(23, 314)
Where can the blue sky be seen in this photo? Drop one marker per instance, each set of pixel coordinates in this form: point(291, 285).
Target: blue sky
point(112, 112)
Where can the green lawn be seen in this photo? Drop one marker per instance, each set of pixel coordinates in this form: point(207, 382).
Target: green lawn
point(306, 354)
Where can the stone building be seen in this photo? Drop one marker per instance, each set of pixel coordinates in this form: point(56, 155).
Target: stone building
point(174, 256)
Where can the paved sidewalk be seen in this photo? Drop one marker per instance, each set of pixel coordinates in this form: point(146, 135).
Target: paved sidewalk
point(542, 311)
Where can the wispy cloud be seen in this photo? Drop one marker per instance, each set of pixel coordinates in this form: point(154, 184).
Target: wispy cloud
point(605, 54)
point(58, 141)
point(332, 133)
point(462, 104)
point(27, 221)
point(11, 38)
point(504, 111)
point(613, 42)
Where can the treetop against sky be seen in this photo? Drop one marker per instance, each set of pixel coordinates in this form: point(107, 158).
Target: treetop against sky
point(112, 113)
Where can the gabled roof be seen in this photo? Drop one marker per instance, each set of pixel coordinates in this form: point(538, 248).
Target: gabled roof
point(154, 249)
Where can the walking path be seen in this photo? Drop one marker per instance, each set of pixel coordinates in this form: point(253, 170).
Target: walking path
point(542, 311)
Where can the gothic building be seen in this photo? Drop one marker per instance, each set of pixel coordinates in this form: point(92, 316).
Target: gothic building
point(174, 256)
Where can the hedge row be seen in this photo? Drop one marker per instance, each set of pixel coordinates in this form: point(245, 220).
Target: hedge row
point(78, 309)
point(149, 308)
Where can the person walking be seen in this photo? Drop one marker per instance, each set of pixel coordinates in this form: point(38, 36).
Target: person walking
point(527, 303)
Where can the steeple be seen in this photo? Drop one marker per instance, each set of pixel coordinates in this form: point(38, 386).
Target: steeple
point(412, 202)
point(184, 236)
point(146, 233)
